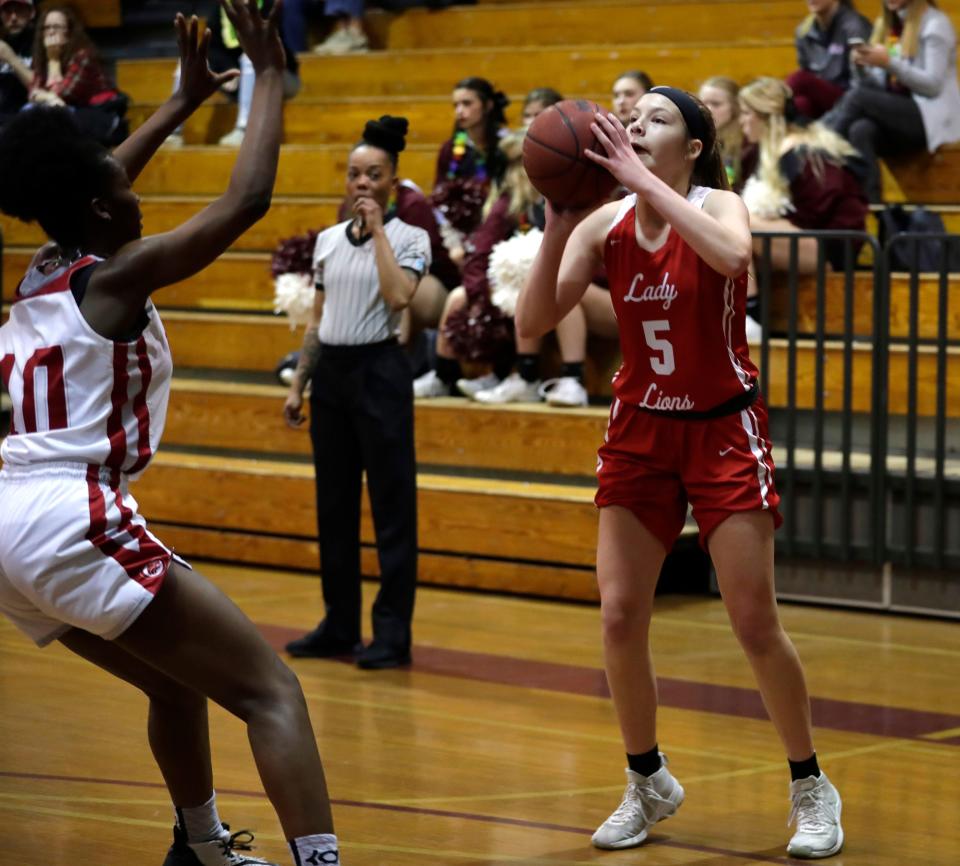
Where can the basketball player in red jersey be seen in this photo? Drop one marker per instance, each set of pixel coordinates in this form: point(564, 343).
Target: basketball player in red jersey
point(687, 425)
point(87, 364)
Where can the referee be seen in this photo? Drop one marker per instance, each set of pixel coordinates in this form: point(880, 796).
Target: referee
point(361, 406)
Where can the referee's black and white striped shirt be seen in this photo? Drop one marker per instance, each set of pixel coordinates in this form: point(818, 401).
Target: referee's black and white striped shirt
point(345, 270)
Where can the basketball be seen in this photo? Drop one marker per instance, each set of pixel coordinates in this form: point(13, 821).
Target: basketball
point(554, 157)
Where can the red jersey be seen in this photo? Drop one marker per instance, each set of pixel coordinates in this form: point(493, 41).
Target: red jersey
point(681, 323)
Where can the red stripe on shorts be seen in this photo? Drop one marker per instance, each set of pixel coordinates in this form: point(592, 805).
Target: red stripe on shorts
point(148, 564)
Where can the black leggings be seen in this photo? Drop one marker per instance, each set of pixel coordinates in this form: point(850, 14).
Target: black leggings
point(878, 123)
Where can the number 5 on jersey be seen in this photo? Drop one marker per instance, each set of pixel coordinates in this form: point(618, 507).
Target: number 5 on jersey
point(663, 365)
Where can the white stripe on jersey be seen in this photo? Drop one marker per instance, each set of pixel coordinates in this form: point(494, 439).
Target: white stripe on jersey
point(354, 311)
point(729, 315)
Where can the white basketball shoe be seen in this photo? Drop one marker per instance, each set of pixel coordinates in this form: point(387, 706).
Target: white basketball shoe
point(646, 800)
point(816, 809)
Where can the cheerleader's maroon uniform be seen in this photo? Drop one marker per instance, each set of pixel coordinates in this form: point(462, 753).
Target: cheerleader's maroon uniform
point(687, 422)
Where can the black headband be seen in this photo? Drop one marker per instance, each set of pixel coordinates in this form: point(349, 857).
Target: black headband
point(689, 110)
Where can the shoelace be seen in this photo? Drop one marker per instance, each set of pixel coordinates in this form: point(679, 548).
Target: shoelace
point(810, 813)
point(635, 800)
point(242, 840)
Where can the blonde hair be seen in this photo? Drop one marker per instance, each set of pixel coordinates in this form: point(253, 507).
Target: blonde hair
point(514, 180)
point(730, 136)
point(910, 38)
point(772, 99)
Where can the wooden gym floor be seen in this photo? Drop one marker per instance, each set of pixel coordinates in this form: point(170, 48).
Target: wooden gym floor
point(499, 745)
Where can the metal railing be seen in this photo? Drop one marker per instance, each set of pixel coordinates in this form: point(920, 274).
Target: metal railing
point(920, 492)
point(861, 480)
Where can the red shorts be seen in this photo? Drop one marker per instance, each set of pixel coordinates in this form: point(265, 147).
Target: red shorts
point(654, 465)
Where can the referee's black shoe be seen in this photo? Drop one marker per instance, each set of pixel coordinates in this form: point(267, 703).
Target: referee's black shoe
point(317, 644)
point(379, 656)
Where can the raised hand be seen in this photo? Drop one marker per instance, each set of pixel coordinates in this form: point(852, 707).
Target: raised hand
point(620, 158)
point(259, 37)
point(197, 80)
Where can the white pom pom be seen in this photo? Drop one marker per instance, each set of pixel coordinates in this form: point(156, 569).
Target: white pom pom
point(763, 200)
point(294, 295)
point(453, 239)
point(510, 262)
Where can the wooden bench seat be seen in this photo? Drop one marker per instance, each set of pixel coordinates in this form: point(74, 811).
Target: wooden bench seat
point(924, 178)
point(450, 431)
point(520, 536)
point(613, 22)
point(572, 69)
point(287, 216)
point(256, 343)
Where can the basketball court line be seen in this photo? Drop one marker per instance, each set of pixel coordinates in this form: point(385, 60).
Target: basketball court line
point(865, 643)
point(396, 849)
point(737, 701)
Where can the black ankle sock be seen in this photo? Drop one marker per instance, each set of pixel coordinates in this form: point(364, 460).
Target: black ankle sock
point(753, 308)
point(804, 769)
point(503, 366)
point(574, 370)
point(528, 366)
point(448, 370)
point(646, 764)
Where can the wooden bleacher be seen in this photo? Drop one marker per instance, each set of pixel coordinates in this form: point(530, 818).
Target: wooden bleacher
point(492, 515)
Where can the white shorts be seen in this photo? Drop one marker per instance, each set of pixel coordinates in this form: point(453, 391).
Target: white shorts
point(74, 552)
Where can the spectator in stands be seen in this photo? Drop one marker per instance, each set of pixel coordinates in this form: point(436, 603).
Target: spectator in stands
point(808, 178)
point(536, 101)
point(468, 161)
point(905, 97)
point(225, 53)
point(16, 55)
point(68, 72)
point(361, 406)
point(471, 327)
point(823, 54)
point(348, 35)
point(226, 57)
point(721, 95)
point(627, 90)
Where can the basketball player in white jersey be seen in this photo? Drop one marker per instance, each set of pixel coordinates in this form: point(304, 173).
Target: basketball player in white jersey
point(688, 424)
point(87, 365)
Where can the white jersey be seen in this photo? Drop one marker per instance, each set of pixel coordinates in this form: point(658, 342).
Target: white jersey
point(77, 396)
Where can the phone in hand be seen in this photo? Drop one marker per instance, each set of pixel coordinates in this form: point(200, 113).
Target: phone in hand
point(855, 41)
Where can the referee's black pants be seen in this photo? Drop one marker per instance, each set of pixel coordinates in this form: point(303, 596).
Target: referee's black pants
point(361, 418)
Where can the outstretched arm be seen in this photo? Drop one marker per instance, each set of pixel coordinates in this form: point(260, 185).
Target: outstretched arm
point(121, 285)
point(197, 84)
point(719, 233)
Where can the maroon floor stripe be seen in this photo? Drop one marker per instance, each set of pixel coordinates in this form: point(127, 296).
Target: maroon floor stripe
point(837, 715)
point(416, 810)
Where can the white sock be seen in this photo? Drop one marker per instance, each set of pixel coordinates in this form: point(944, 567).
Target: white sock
point(319, 850)
point(200, 823)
